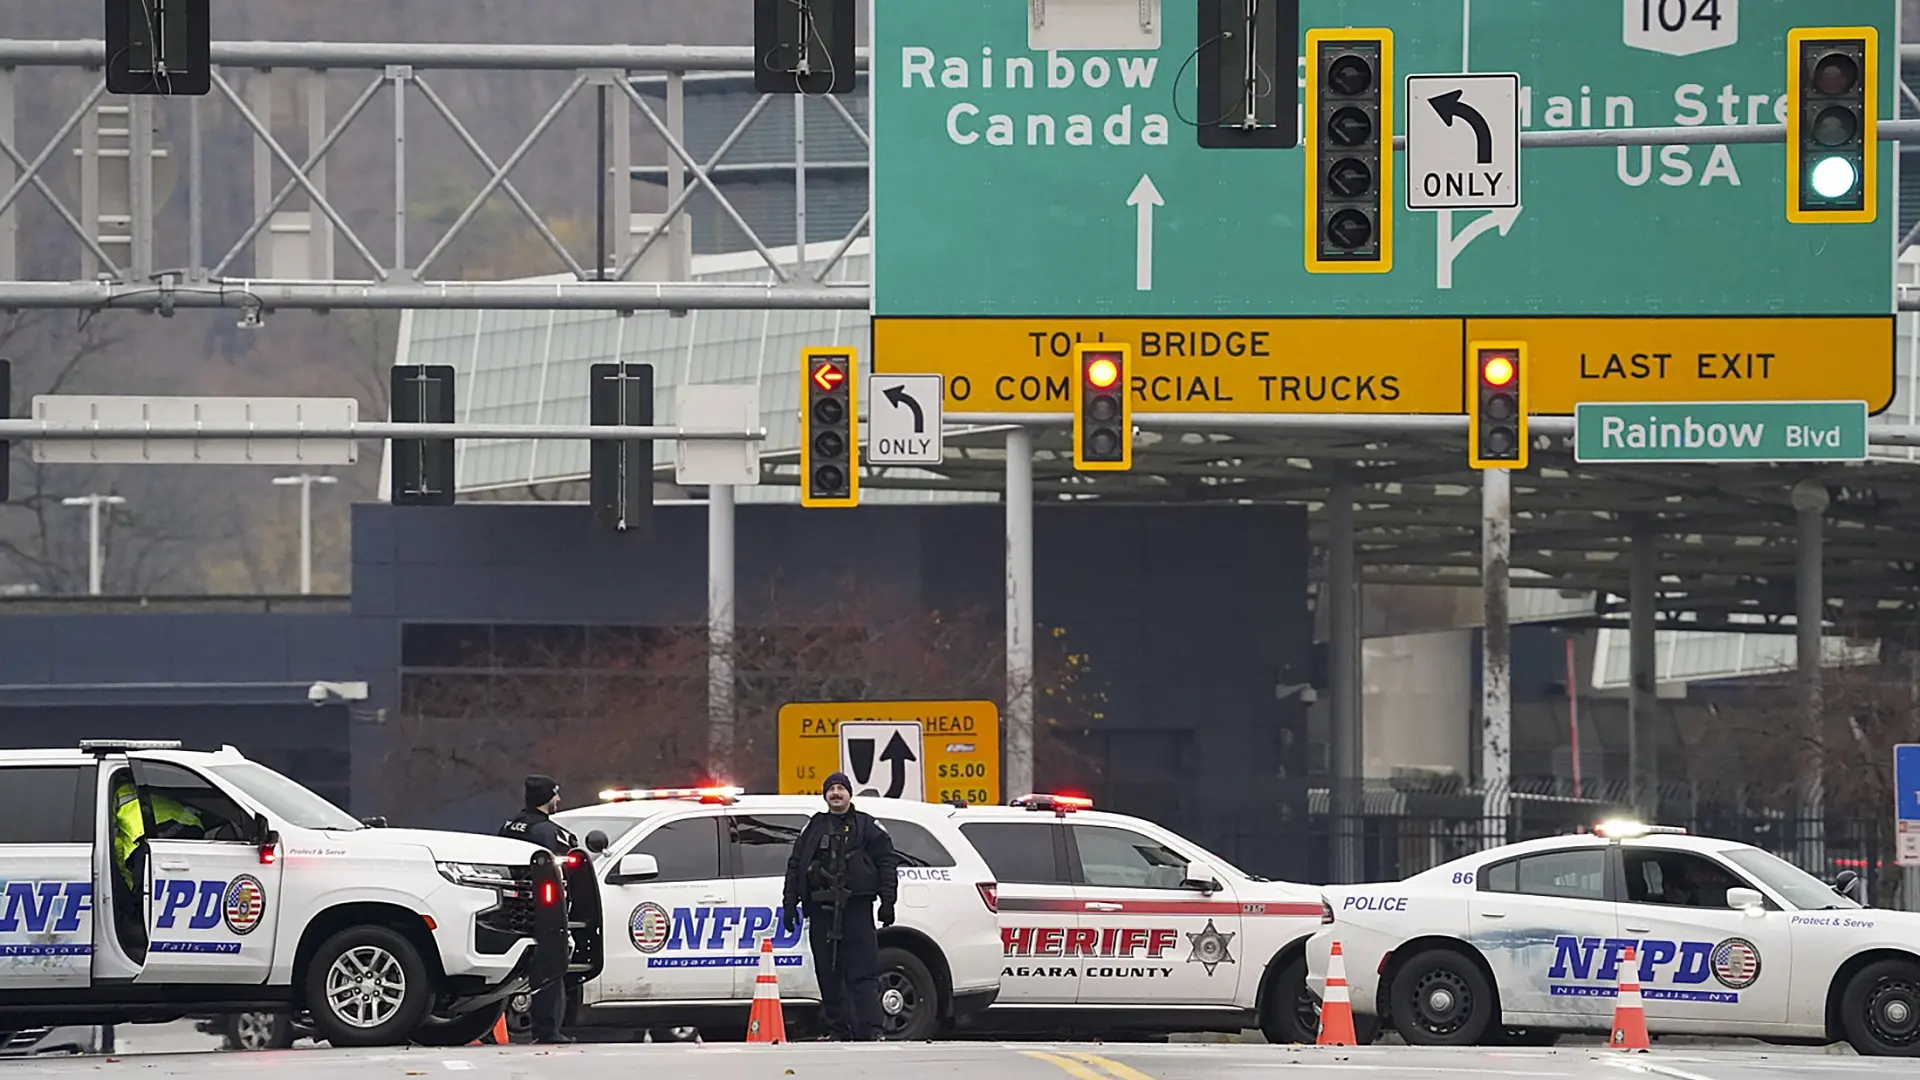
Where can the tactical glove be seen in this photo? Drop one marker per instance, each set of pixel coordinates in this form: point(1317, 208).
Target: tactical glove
point(886, 913)
point(789, 918)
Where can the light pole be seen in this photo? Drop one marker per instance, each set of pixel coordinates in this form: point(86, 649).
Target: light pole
point(93, 503)
point(305, 482)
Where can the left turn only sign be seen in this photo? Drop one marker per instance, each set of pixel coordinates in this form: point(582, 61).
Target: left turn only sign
point(932, 751)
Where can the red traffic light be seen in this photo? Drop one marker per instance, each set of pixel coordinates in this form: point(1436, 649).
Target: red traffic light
point(1102, 372)
point(1497, 369)
point(829, 376)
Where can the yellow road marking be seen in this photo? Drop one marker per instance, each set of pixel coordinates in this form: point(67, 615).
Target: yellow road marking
point(1067, 1065)
point(1122, 1072)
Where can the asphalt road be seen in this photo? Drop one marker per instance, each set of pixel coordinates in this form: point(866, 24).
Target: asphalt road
point(964, 1061)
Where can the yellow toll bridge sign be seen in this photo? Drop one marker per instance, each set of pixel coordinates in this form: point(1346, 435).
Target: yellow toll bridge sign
point(1411, 365)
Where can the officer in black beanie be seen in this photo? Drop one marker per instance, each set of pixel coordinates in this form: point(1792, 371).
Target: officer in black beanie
point(842, 863)
point(534, 824)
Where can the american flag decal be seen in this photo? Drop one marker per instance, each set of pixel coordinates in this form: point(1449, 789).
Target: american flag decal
point(1736, 963)
point(246, 903)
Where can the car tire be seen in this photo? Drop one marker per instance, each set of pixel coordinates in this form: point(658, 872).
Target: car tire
point(1880, 1009)
point(253, 1031)
point(909, 998)
point(363, 959)
point(1290, 1012)
point(459, 1030)
point(1441, 998)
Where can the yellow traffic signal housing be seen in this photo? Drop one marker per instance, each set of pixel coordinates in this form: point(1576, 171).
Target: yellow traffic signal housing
point(1102, 408)
point(1833, 148)
point(1497, 404)
point(829, 428)
point(1349, 142)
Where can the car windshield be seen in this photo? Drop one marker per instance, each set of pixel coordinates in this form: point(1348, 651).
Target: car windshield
point(614, 827)
point(1796, 886)
point(285, 799)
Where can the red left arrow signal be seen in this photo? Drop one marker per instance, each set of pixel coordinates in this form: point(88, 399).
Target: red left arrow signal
point(828, 377)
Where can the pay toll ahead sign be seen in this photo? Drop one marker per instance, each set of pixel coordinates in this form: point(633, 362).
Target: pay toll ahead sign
point(1406, 366)
point(957, 755)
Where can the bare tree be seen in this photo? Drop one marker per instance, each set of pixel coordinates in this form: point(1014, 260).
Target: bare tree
point(1768, 748)
point(43, 542)
point(628, 706)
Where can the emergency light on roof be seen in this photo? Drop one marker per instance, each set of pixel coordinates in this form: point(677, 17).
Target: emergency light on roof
point(1059, 804)
point(1620, 829)
point(110, 746)
point(710, 795)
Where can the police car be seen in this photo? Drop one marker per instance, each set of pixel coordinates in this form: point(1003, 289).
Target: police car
point(1111, 924)
point(1526, 940)
point(284, 903)
point(691, 881)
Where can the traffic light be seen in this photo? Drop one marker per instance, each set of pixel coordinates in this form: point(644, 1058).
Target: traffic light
point(422, 468)
point(620, 477)
point(159, 48)
point(1102, 409)
point(829, 429)
point(1497, 407)
point(1349, 115)
point(1833, 150)
point(804, 46)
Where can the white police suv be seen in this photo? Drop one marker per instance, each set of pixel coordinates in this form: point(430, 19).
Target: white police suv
point(691, 881)
point(1111, 924)
point(1525, 941)
point(279, 901)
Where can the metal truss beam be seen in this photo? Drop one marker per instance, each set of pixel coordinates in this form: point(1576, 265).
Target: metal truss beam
point(268, 296)
point(1357, 423)
point(143, 227)
point(44, 430)
point(400, 66)
point(339, 55)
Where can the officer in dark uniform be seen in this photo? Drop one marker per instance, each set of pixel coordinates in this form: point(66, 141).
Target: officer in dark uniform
point(534, 825)
point(842, 863)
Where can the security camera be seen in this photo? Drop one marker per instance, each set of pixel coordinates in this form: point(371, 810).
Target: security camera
point(317, 693)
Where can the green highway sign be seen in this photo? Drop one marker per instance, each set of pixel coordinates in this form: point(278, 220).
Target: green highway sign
point(1015, 182)
point(1720, 431)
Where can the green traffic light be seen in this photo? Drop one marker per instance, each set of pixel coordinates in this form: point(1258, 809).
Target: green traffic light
point(1834, 177)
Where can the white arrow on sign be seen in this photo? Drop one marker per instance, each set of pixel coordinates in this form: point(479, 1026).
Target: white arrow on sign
point(1144, 198)
point(1452, 244)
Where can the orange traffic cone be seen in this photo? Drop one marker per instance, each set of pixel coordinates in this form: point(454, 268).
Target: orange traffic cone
point(498, 1036)
point(1336, 1007)
point(1629, 1011)
point(766, 1023)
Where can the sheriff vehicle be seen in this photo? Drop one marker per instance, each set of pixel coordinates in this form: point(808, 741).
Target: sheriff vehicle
point(1112, 925)
point(691, 881)
point(278, 902)
point(1525, 941)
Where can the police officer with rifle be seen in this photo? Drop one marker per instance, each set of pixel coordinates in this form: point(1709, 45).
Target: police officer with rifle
point(535, 825)
point(842, 863)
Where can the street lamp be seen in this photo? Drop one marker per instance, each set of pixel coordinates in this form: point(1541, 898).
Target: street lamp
point(305, 482)
point(93, 503)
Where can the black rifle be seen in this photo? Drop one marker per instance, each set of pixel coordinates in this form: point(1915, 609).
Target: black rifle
point(841, 896)
point(837, 894)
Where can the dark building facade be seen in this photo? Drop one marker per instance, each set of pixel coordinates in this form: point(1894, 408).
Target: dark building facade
point(1193, 615)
